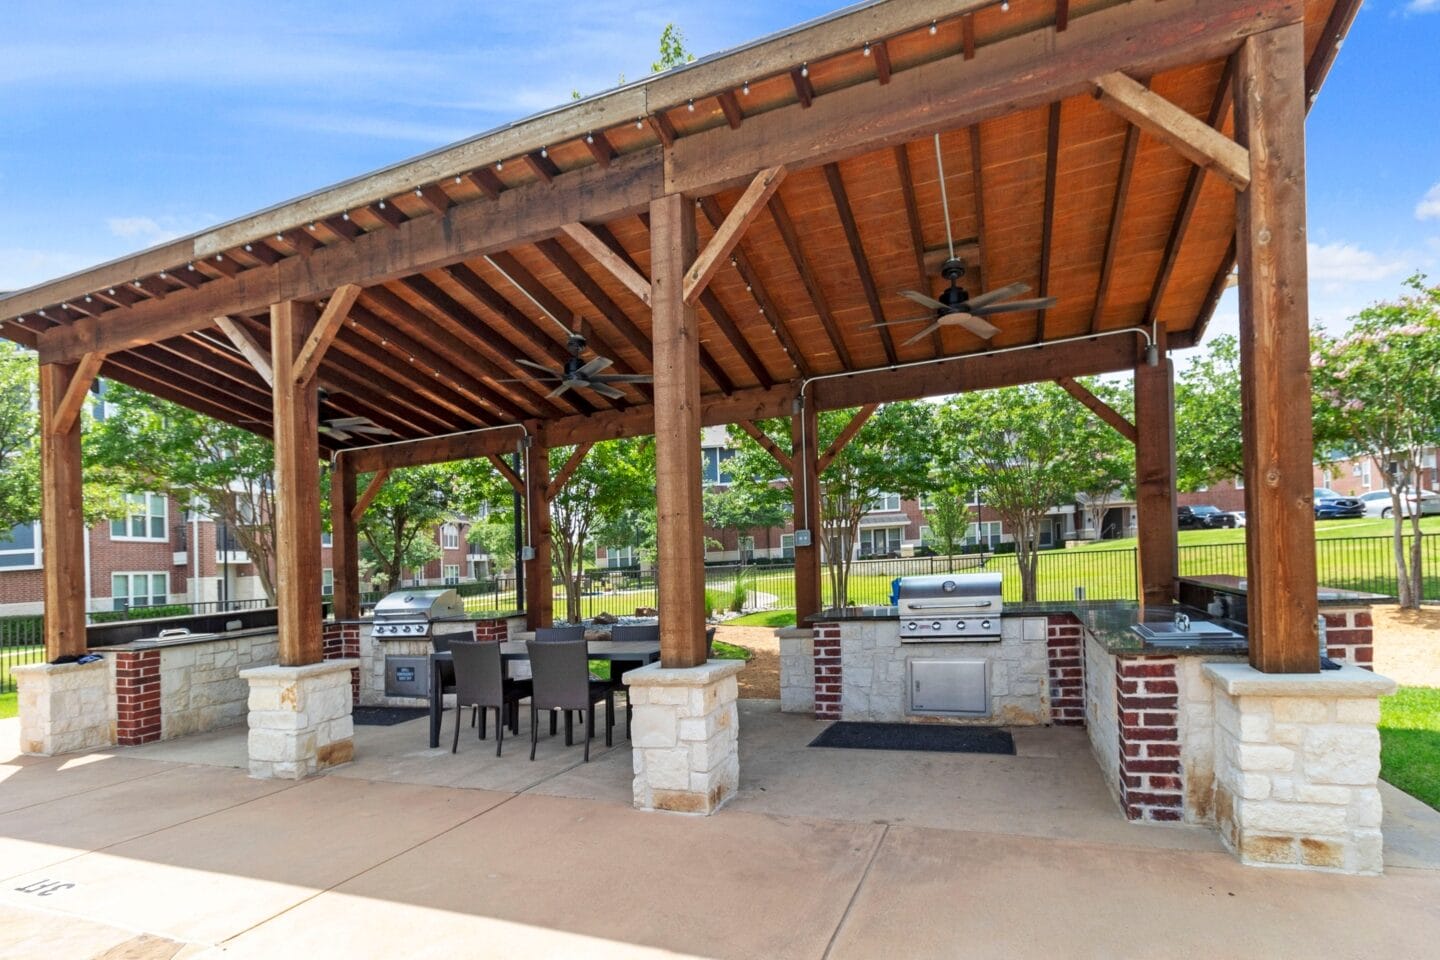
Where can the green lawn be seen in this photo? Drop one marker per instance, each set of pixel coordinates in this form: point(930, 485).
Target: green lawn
point(7, 705)
point(11, 656)
point(1410, 742)
point(765, 618)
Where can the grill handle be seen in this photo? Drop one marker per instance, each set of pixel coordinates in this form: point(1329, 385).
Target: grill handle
point(947, 605)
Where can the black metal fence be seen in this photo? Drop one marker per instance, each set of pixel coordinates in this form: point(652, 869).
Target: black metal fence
point(1345, 563)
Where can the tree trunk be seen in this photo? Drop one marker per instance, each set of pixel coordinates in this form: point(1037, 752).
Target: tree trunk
point(1417, 578)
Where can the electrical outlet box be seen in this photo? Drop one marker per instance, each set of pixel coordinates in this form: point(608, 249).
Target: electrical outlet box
point(527, 553)
point(802, 538)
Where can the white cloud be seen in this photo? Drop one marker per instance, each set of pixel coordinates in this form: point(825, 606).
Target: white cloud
point(22, 267)
point(1429, 206)
point(144, 229)
point(1333, 265)
point(1423, 6)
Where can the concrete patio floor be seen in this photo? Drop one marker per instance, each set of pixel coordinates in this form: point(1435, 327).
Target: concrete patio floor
point(170, 850)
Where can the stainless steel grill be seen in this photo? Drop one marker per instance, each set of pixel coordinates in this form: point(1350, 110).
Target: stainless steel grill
point(950, 607)
point(410, 613)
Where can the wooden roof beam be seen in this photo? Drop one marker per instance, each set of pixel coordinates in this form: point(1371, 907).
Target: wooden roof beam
point(1047, 224)
point(730, 106)
point(73, 401)
point(735, 337)
point(619, 267)
point(249, 347)
point(435, 198)
point(367, 497)
point(857, 253)
point(880, 53)
point(787, 463)
point(508, 472)
point(729, 233)
point(1196, 140)
point(838, 445)
point(1117, 217)
point(532, 331)
point(600, 148)
point(557, 483)
point(1098, 407)
point(307, 362)
point(804, 90)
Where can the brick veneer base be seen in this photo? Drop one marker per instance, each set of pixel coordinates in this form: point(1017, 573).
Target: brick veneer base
point(1067, 671)
point(342, 642)
point(137, 697)
point(1152, 781)
point(492, 631)
point(1350, 636)
point(827, 671)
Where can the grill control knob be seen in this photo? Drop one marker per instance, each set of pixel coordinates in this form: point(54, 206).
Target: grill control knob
point(912, 625)
point(984, 624)
point(935, 625)
point(959, 624)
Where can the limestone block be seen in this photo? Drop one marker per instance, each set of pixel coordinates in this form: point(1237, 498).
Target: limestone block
point(1264, 757)
point(667, 769)
point(1357, 711)
point(1349, 755)
point(654, 726)
point(1011, 628)
point(1035, 628)
point(1366, 808)
point(1295, 819)
point(1299, 710)
point(1253, 786)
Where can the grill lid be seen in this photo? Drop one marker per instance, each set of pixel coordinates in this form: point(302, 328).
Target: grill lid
point(950, 587)
point(420, 605)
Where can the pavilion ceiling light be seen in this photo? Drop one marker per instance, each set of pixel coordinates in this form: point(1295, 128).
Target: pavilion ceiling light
point(499, 164)
point(866, 49)
point(544, 153)
point(690, 105)
point(805, 69)
point(745, 88)
point(1005, 6)
point(590, 138)
point(933, 28)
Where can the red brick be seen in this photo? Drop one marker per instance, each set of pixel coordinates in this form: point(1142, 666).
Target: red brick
point(1161, 686)
point(1363, 655)
point(1150, 766)
point(1148, 703)
point(1166, 783)
point(1147, 733)
point(1362, 619)
point(1155, 799)
point(1159, 719)
point(1170, 815)
point(1163, 750)
point(1337, 620)
point(1132, 669)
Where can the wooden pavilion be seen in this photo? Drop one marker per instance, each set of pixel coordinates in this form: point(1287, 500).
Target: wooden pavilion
point(737, 227)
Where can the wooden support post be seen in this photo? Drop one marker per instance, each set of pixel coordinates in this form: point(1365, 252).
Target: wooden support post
point(681, 567)
point(805, 488)
point(1098, 407)
point(297, 487)
point(539, 581)
point(62, 521)
point(344, 540)
point(372, 490)
point(1158, 539)
point(1275, 354)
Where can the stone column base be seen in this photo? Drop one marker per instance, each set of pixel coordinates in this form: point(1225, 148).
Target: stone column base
point(300, 718)
point(64, 708)
point(1297, 757)
point(684, 735)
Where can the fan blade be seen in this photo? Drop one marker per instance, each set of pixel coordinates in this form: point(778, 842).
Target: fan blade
point(605, 390)
point(344, 422)
point(564, 385)
point(550, 379)
point(594, 366)
point(928, 318)
point(535, 366)
point(374, 428)
point(923, 333)
point(990, 296)
point(1039, 303)
point(981, 328)
point(336, 434)
point(623, 378)
point(923, 299)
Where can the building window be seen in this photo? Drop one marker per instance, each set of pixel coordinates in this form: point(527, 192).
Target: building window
point(986, 534)
point(450, 537)
point(145, 518)
point(327, 582)
point(787, 546)
point(620, 557)
point(885, 503)
point(138, 589)
point(713, 462)
point(747, 549)
point(878, 541)
point(451, 573)
point(927, 536)
point(327, 539)
point(21, 547)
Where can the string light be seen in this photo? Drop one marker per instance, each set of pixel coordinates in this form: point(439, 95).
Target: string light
point(544, 152)
point(382, 206)
point(745, 88)
point(866, 49)
point(1005, 7)
point(589, 138)
point(690, 105)
point(805, 69)
point(933, 28)
point(639, 123)
point(499, 164)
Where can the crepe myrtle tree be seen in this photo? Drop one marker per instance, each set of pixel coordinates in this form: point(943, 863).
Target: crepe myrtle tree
point(761, 505)
point(891, 454)
point(397, 529)
point(1025, 450)
point(615, 480)
point(947, 513)
point(1208, 445)
point(1110, 472)
point(1377, 395)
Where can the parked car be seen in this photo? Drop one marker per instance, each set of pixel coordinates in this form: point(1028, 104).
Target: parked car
point(1239, 516)
point(1204, 517)
point(1378, 503)
point(1329, 505)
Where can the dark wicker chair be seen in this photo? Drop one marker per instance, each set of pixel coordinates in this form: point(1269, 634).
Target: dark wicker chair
point(569, 631)
point(480, 683)
point(560, 671)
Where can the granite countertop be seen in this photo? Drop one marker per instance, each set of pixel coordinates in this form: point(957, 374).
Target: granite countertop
point(1327, 596)
point(184, 640)
point(1109, 621)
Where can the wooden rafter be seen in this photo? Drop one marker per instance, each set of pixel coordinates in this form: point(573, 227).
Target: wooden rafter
point(1062, 15)
point(387, 213)
point(248, 346)
point(368, 495)
point(72, 401)
point(917, 237)
point(557, 483)
point(967, 35)
point(618, 267)
point(1047, 224)
point(735, 337)
point(787, 463)
point(600, 148)
point(804, 90)
point(880, 52)
point(853, 427)
point(486, 182)
point(508, 472)
point(857, 253)
point(534, 333)
point(307, 362)
point(664, 129)
point(571, 270)
point(729, 233)
point(1117, 217)
point(791, 238)
point(1098, 407)
point(730, 106)
point(542, 166)
point(977, 179)
point(1196, 140)
point(711, 208)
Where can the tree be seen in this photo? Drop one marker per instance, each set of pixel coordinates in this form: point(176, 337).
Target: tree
point(948, 515)
point(1377, 395)
point(672, 50)
point(396, 532)
point(1110, 471)
point(1025, 449)
point(154, 445)
point(1209, 447)
point(747, 506)
point(616, 478)
point(891, 454)
point(495, 537)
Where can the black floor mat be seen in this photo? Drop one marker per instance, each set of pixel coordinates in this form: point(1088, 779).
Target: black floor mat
point(915, 736)
point(386, 716)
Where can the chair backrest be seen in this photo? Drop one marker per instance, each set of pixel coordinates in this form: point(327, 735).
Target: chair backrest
point(561, 673)
point(709, 642)
point(479, 673)
point(553, 634)
point(635, 631)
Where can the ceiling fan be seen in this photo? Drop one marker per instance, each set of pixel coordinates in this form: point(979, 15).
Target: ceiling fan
point(955, 307)
point(579, 373)
point(341, 428)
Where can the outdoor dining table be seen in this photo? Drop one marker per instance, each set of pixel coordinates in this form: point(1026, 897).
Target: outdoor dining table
point(638, 652)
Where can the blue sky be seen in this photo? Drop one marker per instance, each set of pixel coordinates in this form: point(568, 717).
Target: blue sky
point(126, 124)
